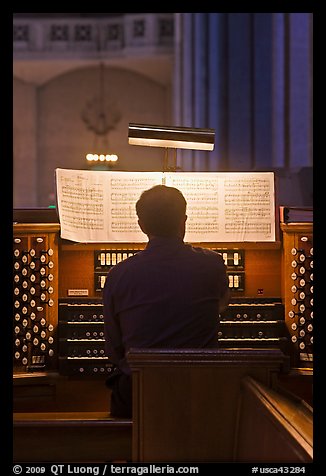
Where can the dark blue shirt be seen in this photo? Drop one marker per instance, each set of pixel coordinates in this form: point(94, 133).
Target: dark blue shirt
point(164, 296)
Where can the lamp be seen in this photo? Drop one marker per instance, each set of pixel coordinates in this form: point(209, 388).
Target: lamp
point(96, 119)
point(171, 137)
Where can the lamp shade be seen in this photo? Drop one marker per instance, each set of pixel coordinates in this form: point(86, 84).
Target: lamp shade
point(173, 137)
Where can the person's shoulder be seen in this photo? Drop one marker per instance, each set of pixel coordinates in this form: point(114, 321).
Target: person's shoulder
point(126, 263)
point(121, 271)
point(207, 252)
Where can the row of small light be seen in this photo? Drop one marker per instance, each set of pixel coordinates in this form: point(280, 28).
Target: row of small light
point(102, 157)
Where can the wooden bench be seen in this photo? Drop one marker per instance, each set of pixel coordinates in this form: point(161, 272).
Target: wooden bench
point(188, 406)
point(274, 425)
point(71, 437)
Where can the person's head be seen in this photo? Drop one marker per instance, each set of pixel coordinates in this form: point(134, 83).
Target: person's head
point(161, 211)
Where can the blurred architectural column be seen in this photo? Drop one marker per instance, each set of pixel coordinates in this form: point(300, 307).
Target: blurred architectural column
point(248, 76)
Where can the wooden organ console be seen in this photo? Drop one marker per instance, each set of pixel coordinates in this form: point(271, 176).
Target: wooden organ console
point(58, 350)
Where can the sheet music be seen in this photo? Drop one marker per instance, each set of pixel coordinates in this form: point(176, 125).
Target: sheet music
point(99, 206)
point(248, 207)
point(227, 206)
point(201, 191)
point(81, 205)
point(124, 189)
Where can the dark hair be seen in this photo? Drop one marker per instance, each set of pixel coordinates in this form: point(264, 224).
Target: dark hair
point(161, 209)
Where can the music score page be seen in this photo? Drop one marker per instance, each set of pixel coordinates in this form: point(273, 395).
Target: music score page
point(99, 206)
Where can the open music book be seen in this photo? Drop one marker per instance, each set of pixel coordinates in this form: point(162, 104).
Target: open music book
point(99, 206)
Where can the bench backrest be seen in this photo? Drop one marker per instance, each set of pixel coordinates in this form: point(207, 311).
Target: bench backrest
point(186, 402)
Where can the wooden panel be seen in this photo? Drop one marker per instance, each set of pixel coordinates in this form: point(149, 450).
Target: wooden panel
point(51, 392)
point(66, 437)
point(299, 381)
point(77, 265)
point(76, 272)
point(273, 427)
point(185, 401)
point(262, 266)
point(263, 273)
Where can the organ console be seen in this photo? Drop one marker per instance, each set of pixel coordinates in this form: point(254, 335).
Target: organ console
point(58, 327)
